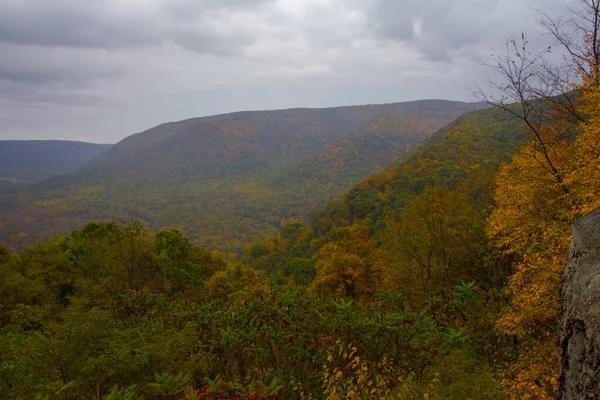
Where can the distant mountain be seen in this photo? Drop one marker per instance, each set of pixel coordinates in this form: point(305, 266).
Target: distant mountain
point(29, 161)
point(228, 180)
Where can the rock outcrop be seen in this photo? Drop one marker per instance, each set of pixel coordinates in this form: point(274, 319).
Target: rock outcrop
point(579, 322)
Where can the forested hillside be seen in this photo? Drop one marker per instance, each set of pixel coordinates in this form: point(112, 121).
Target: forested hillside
point(231, 179)
point(437, 277)
point(28, 161)
point(466, 152)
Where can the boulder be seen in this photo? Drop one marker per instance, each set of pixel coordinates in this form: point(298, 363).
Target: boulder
point(579, 320)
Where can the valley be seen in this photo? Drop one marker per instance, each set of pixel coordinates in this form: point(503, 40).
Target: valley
point(408, 250)
point(229, 180)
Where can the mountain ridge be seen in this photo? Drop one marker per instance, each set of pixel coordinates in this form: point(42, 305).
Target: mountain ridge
point(228, 180)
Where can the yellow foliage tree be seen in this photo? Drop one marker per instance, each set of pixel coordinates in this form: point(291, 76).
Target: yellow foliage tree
point(238, 283)
point(536, 209)
point(550, 183)
point(584, 176)
point(350, 266)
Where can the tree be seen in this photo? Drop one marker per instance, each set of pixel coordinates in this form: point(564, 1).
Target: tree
point(438, 241)
point(579, 36)
point(176, 256)
point(350, 266)
point(584, 175)
point(539, 92)
point(531, 224)
point(548, 184)
point(4, 254)
point(238, 283)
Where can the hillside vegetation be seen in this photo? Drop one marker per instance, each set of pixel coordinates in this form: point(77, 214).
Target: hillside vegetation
point(436, 277)
point(231, 179)
point(466, 152)
point(391, 292)
point(363, 301)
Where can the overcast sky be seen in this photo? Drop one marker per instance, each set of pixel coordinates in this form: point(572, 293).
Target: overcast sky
point(100, 70)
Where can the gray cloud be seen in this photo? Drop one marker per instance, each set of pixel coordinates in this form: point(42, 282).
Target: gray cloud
point(107, 68)
point(117, 24)
point(35, 65)
point(207, 39)
point(90, 23)
point(440, 29)
point(182, 10)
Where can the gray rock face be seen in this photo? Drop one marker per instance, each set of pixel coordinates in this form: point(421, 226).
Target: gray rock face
point(579, 324)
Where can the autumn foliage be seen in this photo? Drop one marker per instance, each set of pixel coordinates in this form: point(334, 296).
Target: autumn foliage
point(435, 278)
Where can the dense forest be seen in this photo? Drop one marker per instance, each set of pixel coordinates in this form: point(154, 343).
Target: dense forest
point(231, 179)
point(435, 278)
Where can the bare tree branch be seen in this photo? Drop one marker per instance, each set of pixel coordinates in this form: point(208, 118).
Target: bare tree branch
point(540, 93)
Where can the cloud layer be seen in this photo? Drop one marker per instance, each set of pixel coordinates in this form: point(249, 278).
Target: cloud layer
point(99, 70)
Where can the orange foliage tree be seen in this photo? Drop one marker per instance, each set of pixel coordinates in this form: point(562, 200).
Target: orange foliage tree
point(350, 266)
point(550, 183)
